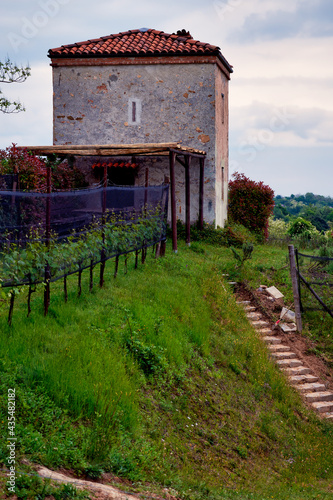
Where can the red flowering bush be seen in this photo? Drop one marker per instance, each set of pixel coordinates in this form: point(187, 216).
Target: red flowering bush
point(65, 177)
point(250, 203)
point(32, 170)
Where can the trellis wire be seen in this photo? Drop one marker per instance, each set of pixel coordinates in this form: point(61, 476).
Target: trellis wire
point(54, 214)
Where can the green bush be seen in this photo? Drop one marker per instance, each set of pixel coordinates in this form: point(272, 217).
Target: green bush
point(302, 227)
point(231, 235)
point(277, 229)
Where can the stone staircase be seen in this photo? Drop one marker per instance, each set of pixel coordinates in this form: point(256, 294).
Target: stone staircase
point(300, 376)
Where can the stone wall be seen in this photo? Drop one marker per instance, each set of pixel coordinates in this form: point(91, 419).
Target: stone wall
point(128, 104)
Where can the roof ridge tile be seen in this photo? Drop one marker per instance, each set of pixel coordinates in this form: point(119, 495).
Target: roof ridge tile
point(139, 42)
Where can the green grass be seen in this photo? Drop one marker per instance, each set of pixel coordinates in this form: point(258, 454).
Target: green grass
point(159, 378)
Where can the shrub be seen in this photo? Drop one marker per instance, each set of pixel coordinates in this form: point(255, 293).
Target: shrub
point(32, 170)
point(302, 227)
point(277, 229)
point(250, 203)
point(231, 235)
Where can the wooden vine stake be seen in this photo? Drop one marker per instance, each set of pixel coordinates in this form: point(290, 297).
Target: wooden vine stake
point(143, 254)
point(91, 276)
point(11, 307)
point(136, 258)
point(116, 266)
point(30, 291)
point(65, 288)
point(293, 274)
point(80, 281)
point(105, 183)
point(48, 232)
point(163, 247)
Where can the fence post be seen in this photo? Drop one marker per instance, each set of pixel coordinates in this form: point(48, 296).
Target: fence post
point(293, 274)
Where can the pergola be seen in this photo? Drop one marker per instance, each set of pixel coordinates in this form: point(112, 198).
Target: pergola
point(175, 151)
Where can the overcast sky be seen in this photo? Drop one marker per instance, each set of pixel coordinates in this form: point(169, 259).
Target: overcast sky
point(281, 102)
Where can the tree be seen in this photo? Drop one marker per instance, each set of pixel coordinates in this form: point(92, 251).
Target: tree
point(10, 73)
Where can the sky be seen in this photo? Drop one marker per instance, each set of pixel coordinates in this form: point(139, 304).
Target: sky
point(281, 91)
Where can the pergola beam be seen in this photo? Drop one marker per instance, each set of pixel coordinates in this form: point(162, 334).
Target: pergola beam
point(174, 150)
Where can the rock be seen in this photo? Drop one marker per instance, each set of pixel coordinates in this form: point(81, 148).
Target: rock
point(107, 491)
point(274, 292)
point(288, 328)
point(288, 315)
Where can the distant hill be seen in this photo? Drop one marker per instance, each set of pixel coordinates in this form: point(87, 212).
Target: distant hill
point(313, 207)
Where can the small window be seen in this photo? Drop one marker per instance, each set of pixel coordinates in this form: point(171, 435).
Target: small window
point(222, 110)
point(134, 111)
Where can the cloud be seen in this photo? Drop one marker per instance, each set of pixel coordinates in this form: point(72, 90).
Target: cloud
point(289, 170)
point(309, 19)
point(259, 126)
point(280, 92)
point(34, 126)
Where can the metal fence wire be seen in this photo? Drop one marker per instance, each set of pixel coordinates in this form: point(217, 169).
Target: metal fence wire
point(315, 282)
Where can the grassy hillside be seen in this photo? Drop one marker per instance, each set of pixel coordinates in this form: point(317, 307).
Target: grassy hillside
point(159, 378)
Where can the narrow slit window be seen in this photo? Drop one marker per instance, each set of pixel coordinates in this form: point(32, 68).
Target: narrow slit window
point(222, 111)
point(134, 111)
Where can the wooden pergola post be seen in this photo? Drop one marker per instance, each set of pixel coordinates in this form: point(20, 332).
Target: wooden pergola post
point(201, 191)
point(172, 157)
point(188, 199)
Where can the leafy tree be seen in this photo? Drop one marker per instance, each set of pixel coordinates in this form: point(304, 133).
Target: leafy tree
point(280, 212)
point(10, 73)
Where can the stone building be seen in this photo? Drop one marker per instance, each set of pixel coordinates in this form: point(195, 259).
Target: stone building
point(147, 86)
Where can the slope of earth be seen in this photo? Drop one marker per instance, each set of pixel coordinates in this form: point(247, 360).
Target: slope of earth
point(159, 379)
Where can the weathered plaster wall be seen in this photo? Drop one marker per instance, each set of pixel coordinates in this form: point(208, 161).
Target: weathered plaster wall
point(142, 104)
point(221, 146)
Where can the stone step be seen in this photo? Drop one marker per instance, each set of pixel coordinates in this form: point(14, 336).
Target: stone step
point(323, 407)
point(278, 348)
point(249, 308)
point(244, 302)
point(259, 323)
point(265, 331)
point(253, 315)
point(300, 379)
point(272, 340)
point(311, 387)
point(283, 355)
point(314, 397)
point(297, 370)
point(328, 415)
point(282, 363)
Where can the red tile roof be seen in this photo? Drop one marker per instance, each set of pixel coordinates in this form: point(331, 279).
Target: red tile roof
point(141, 42)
